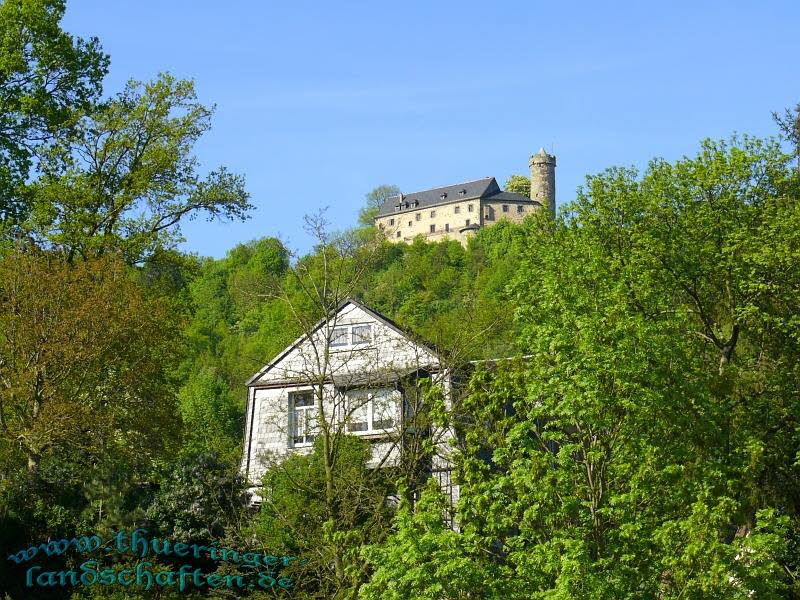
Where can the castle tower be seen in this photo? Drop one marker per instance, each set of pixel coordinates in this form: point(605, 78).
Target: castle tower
point(543, 179)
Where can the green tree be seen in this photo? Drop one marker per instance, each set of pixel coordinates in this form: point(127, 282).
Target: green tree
point(294, 515)
point(519, 184)
point(789, 125)
point(198, 497)
point(130, 177)
point(644, 449)
point(376, 199)
point(85, 354)
point(48, 80)
point(424, 558)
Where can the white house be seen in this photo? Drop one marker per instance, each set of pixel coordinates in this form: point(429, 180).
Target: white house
point(353, 370)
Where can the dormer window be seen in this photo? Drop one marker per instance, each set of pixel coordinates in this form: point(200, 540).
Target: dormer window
point(443, 196)
point(462, 193)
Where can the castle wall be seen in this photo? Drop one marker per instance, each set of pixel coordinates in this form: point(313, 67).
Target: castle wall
point(515, 212)
point(446, 219)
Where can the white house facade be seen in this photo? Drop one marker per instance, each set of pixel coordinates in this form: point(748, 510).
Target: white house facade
point(351, 370)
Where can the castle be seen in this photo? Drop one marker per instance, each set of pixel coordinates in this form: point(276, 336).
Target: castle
point(456, 212)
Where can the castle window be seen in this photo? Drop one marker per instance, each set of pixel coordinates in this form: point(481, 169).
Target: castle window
point(433, 228)
point(520, 208)
point(433, 213)
point(447, 226)
point(469, 207)
point(417, 216)
point(505, 207)
point(457, 209)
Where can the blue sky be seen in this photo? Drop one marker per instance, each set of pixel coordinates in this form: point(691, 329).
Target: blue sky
point(319, 102)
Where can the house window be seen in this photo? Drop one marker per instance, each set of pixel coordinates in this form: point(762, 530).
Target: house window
point(362, 334)
point(418, 216)
point(520, 208)
point(372, 411)
point(433, 213)
point(398, 234)
point(447, 226)
point(409, 223)
point(457, 209)
point(339, 336)
point(489, 215)
point(391, 221)
point(469, 207)
point(302, 418)
point(467, 223)
point(505, 207)
point(433, 228)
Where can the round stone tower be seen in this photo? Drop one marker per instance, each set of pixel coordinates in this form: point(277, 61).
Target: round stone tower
point(543, 179)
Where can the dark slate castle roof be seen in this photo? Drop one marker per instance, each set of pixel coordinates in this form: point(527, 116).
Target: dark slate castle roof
point(485, 189)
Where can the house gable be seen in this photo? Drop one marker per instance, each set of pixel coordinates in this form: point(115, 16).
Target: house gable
point(388, 350)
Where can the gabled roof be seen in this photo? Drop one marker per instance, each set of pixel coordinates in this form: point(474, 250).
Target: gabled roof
point(372, 312)
point(481, 188)
point(511, 197)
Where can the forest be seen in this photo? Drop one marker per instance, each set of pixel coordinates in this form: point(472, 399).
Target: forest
point(642, 442)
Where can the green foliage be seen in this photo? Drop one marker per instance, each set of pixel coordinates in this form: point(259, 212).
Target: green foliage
point(198, 497)
point(424, 558)
point(129, 177)
point(375, 200)
point(644, 448)
point(48, 79)
point(293, 519)
point(520, 184)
